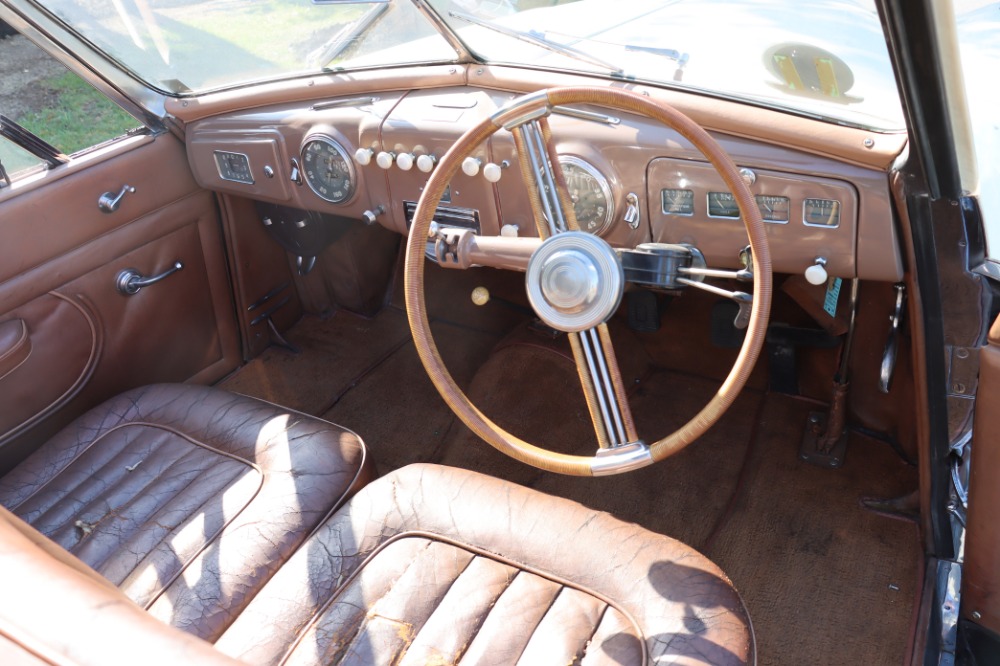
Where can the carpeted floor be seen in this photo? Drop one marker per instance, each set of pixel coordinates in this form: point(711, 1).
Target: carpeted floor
point(825, 581)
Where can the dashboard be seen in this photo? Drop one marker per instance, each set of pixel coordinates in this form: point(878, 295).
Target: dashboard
point(632, 180)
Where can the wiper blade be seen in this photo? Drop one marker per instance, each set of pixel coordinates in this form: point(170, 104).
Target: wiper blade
point(538, 39)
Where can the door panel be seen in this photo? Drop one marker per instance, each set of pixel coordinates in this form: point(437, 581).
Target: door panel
point(59, 260)
point(981, 573)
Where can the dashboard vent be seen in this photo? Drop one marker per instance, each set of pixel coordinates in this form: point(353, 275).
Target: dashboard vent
point(447, 216)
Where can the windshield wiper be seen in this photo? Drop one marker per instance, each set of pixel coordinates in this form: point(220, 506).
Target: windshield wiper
point(538, 39)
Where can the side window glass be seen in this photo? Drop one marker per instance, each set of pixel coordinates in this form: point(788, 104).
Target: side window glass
point(48, 100)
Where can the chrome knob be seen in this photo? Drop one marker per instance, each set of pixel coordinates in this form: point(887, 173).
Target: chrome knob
point(108, 202)
point(370, 216)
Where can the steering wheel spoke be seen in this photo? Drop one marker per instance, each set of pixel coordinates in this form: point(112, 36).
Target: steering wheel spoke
point(543, 178)
point(603, 388)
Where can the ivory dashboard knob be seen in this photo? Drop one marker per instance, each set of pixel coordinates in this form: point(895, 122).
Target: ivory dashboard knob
point(492, 172)
point(404, 161)
point(470, 166)
point(480, 295)
point(426, 163)
point(384, 160)
point(509, 230)
point(816, 274)
point(363, 156)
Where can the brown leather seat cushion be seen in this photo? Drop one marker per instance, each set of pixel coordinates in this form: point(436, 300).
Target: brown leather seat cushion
point(438, 565)
point(185, 497)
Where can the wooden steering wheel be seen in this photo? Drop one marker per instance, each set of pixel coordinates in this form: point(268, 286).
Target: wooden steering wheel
point(575, 282)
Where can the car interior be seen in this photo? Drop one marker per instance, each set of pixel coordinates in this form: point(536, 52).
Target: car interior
point(295, 378)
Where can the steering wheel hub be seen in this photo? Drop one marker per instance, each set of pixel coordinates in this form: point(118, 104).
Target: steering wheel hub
point(575, 281)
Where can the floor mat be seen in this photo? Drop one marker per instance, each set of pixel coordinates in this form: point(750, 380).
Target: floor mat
point(395, 407)
point(534, 393)
point(334, 352)
point(825, 580)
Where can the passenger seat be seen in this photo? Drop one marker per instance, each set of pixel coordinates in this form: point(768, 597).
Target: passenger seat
point(187, 498)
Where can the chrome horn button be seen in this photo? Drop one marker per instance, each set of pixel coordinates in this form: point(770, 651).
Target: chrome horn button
point(569, 281)
point(575, 281)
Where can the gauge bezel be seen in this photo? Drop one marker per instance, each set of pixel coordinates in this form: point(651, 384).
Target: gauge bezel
point(716, 216)
point(340, 150)
point(602, 182)
point(764, 216)
point(820, 200)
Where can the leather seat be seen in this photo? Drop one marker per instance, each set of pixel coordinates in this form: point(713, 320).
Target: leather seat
point(427, 565)
point(185, 497)
point(436, 565)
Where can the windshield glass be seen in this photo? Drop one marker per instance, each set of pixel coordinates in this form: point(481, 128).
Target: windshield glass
point(825, 58)
point(191, 46)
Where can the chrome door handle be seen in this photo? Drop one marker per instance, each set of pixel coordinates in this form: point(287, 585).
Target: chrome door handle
point(108, 202)
point(130, 281)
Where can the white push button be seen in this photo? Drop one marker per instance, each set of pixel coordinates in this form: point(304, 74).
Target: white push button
point(470, 166)
point(363, 156)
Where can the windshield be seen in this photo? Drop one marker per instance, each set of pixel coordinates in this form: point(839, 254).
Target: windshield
point(192, 46)
point(825, 58)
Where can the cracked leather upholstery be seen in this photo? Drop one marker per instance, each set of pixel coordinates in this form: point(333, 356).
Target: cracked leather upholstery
point(187, 498)
point(434, 565)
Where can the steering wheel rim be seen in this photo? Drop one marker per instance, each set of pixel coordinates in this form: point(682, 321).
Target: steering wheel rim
point(621, 458)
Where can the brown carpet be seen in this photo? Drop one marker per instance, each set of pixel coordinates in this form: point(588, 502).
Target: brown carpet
point(334, 352)
point(825, 581)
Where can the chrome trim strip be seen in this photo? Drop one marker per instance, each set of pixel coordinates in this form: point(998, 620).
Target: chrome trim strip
point(602, 400)
point(364, 100)
point(989, 269)
point(586, 115)
point(548, 192)
point(608, 387)
point(633, 455)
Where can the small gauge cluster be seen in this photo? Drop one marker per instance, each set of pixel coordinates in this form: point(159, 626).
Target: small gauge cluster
point(774, 209)
point(328, 169)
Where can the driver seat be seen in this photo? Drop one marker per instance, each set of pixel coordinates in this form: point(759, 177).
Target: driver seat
point(427, 565)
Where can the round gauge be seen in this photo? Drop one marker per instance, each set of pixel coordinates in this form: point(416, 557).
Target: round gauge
point(590, 193)
point(327, 169)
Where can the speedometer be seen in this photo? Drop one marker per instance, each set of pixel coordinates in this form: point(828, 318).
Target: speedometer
point(327, 169)
point(590, 192)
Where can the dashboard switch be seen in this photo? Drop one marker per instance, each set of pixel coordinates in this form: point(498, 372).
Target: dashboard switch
point(370, 216)
point(384, 160)
point(470, 166)
point(509, 230)
point(632, 215)
point(363, 156)
point(816, 274)
point(404, 161)
point(426, 163)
